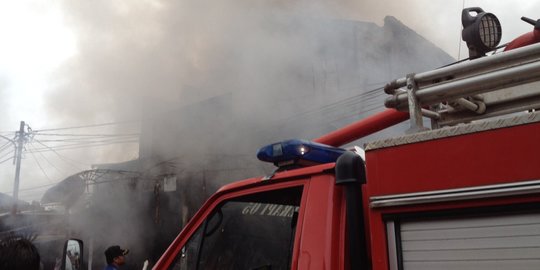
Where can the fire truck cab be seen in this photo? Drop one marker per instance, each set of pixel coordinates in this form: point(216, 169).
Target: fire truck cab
point(463, 194)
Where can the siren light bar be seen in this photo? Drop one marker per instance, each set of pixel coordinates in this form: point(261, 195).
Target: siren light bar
point(299, 152)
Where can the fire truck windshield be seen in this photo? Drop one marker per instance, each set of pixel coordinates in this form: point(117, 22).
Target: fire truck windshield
point(250, 232)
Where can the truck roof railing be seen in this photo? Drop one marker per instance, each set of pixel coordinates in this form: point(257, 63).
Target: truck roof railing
point(491, 86)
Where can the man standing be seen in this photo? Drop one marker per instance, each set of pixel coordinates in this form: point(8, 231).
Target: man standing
point(115, 257)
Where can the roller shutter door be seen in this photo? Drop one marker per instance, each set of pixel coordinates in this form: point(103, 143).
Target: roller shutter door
point(509, 242)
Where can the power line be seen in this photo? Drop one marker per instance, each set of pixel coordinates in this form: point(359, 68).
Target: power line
point(370, 105)
point(79, 146)
point(41, 168)
point(84, 139)
point(47, 160)
point(50, 163)
point(89, 126)
point(4, 145)
point(6, 159)
point(369, 100)
point(3, 156)
point(345, 116)
point(87, 135)
point(65, 159)
point(90, 183)
point(89, 143)
point(70, 142)
point(12, 141)
point(341, 105)
point(6, 148)
point(36, 187)
point(87, 140)
point(344, 105)
point(336, 105)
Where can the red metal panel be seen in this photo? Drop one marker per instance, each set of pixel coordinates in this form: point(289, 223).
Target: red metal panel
point(484, 158)
point(321, 232)
point(375, 235)
point(378, 243)
point(279, 176)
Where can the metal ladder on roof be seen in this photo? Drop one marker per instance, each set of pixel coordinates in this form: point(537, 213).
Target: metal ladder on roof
point(500, 84)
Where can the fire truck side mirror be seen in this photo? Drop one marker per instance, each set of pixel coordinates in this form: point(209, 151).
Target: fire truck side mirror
point(73, 255)
point(481, 31)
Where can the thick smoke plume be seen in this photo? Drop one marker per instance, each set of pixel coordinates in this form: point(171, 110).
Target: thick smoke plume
point(134, 59)
point(211, 81)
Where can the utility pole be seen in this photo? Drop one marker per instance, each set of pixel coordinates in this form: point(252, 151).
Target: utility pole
point(18, 154)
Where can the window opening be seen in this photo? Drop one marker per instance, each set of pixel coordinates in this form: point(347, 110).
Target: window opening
point(253, 232)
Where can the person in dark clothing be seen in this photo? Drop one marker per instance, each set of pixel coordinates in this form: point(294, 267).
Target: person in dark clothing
point(115, 257)
point(18, 252)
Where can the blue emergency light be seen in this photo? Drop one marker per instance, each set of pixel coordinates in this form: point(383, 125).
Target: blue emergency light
point(300, 152)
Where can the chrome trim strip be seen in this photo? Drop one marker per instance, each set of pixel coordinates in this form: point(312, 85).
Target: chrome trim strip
point(458, 194)
point(392, 245)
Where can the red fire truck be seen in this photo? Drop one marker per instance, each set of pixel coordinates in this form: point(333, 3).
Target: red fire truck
point(462, 194)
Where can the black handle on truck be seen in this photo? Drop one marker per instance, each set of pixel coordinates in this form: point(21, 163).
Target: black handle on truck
point(351, 173)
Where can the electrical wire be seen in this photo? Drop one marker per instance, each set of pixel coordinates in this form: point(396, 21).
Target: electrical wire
point(86, 135)
point(343, 117)
point(5, 149)
point(8, 141)
point(5, 145)
point(89, 140)
point(48, 161)
point(4, 155)
point(339, 105)
point(348, 100)
point(90, 143)
point(64, 158)
point(90, 183)
point(345, 106)
point(7, 159)
point(79, 146)
point(89, 126)
point(35, 187)
point(352, 100)
point(70, 142)
point(40, 167)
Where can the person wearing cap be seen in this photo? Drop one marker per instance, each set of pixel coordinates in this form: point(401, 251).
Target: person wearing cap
point(115, 257)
